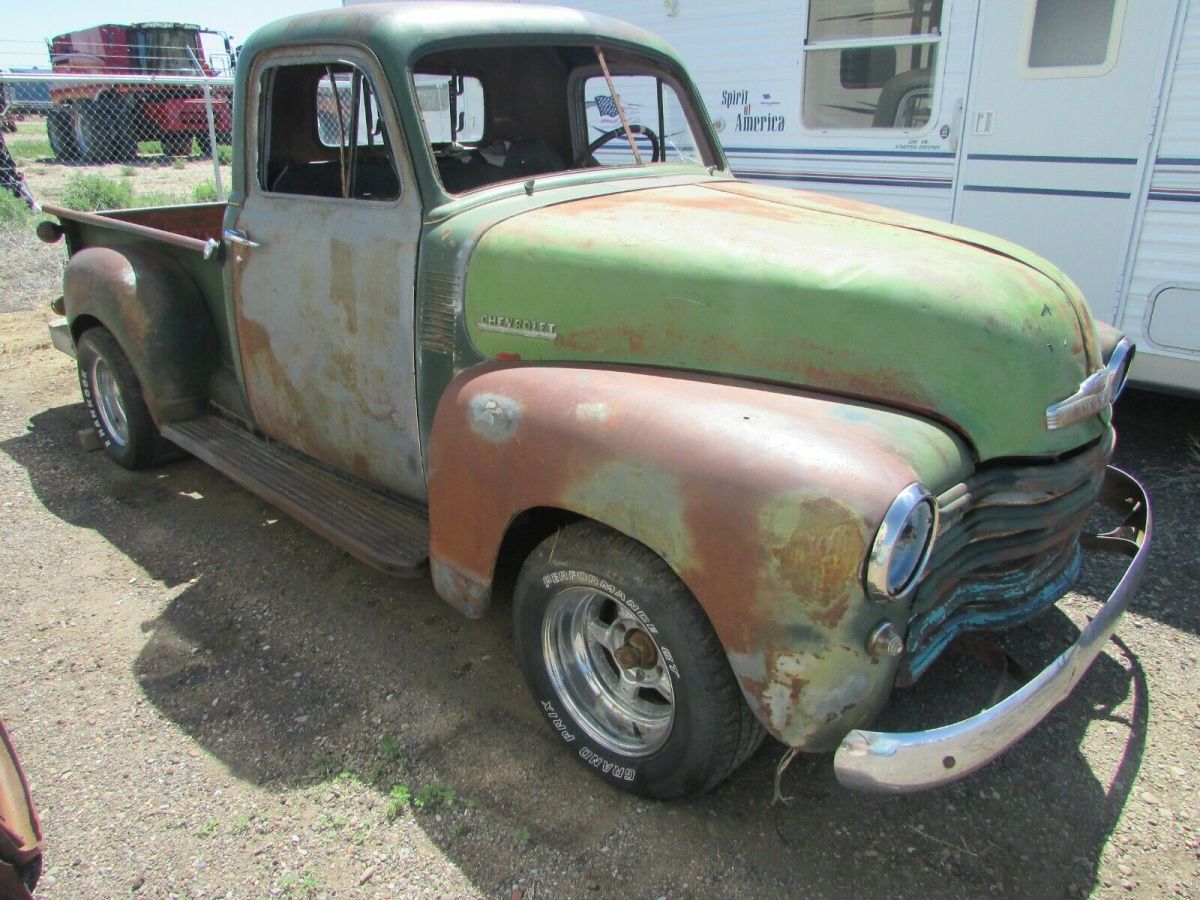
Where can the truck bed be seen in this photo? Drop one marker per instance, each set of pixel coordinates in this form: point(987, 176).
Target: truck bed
point(201, 221)
point(190, 226)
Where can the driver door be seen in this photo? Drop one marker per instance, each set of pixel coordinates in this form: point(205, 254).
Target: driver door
point(324, 252)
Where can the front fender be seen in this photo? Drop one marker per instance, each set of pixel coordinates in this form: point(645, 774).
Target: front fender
point(157, 313)
point(765, 502)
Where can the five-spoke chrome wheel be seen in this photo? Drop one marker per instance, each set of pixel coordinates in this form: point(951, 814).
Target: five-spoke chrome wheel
point(625, 665)
point(608, 670)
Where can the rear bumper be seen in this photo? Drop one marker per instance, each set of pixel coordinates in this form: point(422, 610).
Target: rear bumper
point(913, 761)
point(60, 336)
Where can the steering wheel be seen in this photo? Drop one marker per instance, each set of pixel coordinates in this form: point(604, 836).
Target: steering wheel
point(586, 158)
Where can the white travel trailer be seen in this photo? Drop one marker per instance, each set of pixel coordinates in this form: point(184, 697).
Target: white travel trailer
point(1068, 126)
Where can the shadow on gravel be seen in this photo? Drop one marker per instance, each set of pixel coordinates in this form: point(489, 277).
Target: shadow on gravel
point(1159, 441)
point(291, 663)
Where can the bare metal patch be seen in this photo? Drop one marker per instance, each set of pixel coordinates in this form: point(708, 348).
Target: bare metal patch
point(591, 412)
point(494, 417)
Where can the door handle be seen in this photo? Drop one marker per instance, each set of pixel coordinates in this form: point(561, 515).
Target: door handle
point(235, 236)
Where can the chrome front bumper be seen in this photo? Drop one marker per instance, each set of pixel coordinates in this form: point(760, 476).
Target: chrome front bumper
point(914, 761)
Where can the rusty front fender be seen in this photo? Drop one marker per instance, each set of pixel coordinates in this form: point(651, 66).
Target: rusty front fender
point(156, 312)
point(765, 502)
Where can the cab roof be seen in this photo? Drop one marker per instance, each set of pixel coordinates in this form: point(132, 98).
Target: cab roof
point(404, 31)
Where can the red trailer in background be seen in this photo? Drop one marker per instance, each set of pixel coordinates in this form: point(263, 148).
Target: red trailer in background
point(104, 121)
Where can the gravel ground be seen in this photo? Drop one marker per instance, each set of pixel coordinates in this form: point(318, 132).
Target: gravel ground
point(212, 701)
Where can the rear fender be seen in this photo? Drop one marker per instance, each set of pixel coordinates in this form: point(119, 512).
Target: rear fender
point(157, 314)
point(764, 501)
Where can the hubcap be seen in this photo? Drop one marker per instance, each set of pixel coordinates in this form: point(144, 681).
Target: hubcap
point(109, 404)
point(608, 670)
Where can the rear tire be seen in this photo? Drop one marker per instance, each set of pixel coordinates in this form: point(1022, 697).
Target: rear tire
point(177, 143)
point(100, 129)
point(114, 400)
point(58, 130)
point(626, 667)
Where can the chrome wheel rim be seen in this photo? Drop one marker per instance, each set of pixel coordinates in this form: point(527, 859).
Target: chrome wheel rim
point(608, 670)
point(109, 403)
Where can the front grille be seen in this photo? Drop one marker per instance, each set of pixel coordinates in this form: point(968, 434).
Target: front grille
point(1007, 547)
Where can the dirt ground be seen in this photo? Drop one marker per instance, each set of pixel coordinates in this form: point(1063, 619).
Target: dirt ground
point(211, 701)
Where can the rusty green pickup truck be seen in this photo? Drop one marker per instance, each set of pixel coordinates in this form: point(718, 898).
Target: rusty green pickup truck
point(487, 302)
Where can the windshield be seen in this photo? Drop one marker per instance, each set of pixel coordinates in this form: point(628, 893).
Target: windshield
point(512, 113)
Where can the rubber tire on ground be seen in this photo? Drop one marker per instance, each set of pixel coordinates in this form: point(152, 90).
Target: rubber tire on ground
point(90, 131)
point(177, 143)
point(122, 142)
point(58, 130)
point(144, 447)
point(101, 131)
point(713, 731)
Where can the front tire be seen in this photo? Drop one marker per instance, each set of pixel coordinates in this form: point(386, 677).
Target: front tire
point(626, 667)
point(114, 401)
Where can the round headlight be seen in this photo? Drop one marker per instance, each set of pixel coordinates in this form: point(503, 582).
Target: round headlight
point(902, 544)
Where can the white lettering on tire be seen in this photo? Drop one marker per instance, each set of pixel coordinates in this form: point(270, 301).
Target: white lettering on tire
point(556, 720)
point(88, 400)
point(596, 761)
point(575, 576)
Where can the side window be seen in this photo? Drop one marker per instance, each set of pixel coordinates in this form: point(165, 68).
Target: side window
point(871, 63)
point(655, 117)
point(322, 134)
point(451, 107)
point(1072, 37)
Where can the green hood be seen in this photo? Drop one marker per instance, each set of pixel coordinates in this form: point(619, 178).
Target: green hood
point(793, 288)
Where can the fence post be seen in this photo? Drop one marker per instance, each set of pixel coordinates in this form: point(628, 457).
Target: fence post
point(212, 141)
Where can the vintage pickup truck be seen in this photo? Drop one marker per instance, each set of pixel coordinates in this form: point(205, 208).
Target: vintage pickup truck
point(486, 300)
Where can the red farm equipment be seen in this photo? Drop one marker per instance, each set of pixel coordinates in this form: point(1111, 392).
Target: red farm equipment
point(104, 121)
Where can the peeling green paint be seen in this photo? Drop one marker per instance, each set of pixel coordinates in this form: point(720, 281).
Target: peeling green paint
point(812, 295)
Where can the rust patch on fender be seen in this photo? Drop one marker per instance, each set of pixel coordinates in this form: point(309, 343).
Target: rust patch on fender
point(817, 545)
point(465, 591)
point(733, 484)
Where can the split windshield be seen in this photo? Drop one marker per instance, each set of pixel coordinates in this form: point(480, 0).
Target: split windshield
point(513, 113)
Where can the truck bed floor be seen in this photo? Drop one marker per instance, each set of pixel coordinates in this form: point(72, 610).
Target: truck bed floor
point(383, 531)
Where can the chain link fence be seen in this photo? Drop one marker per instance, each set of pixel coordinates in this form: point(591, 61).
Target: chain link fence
point(90, 122)
point(161, 125)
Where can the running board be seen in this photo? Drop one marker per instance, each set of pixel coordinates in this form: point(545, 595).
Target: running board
point(383, 531)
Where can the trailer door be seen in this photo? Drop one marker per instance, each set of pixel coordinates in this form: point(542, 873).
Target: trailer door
point(1063, 100)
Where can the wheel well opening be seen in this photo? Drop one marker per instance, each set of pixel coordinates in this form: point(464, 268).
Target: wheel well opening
point(524, 533)
point(82, 324)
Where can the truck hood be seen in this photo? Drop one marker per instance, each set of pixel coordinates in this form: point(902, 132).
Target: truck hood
point(794, 288)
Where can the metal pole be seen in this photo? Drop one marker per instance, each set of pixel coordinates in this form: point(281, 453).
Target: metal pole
point(212, 141)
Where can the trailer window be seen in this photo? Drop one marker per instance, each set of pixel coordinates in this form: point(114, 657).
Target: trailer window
point(323, 134)
point(441, 97)
point(1072, 37)
point(871, 63)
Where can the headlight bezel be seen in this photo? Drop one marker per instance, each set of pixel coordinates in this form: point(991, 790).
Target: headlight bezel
point(877, 577)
